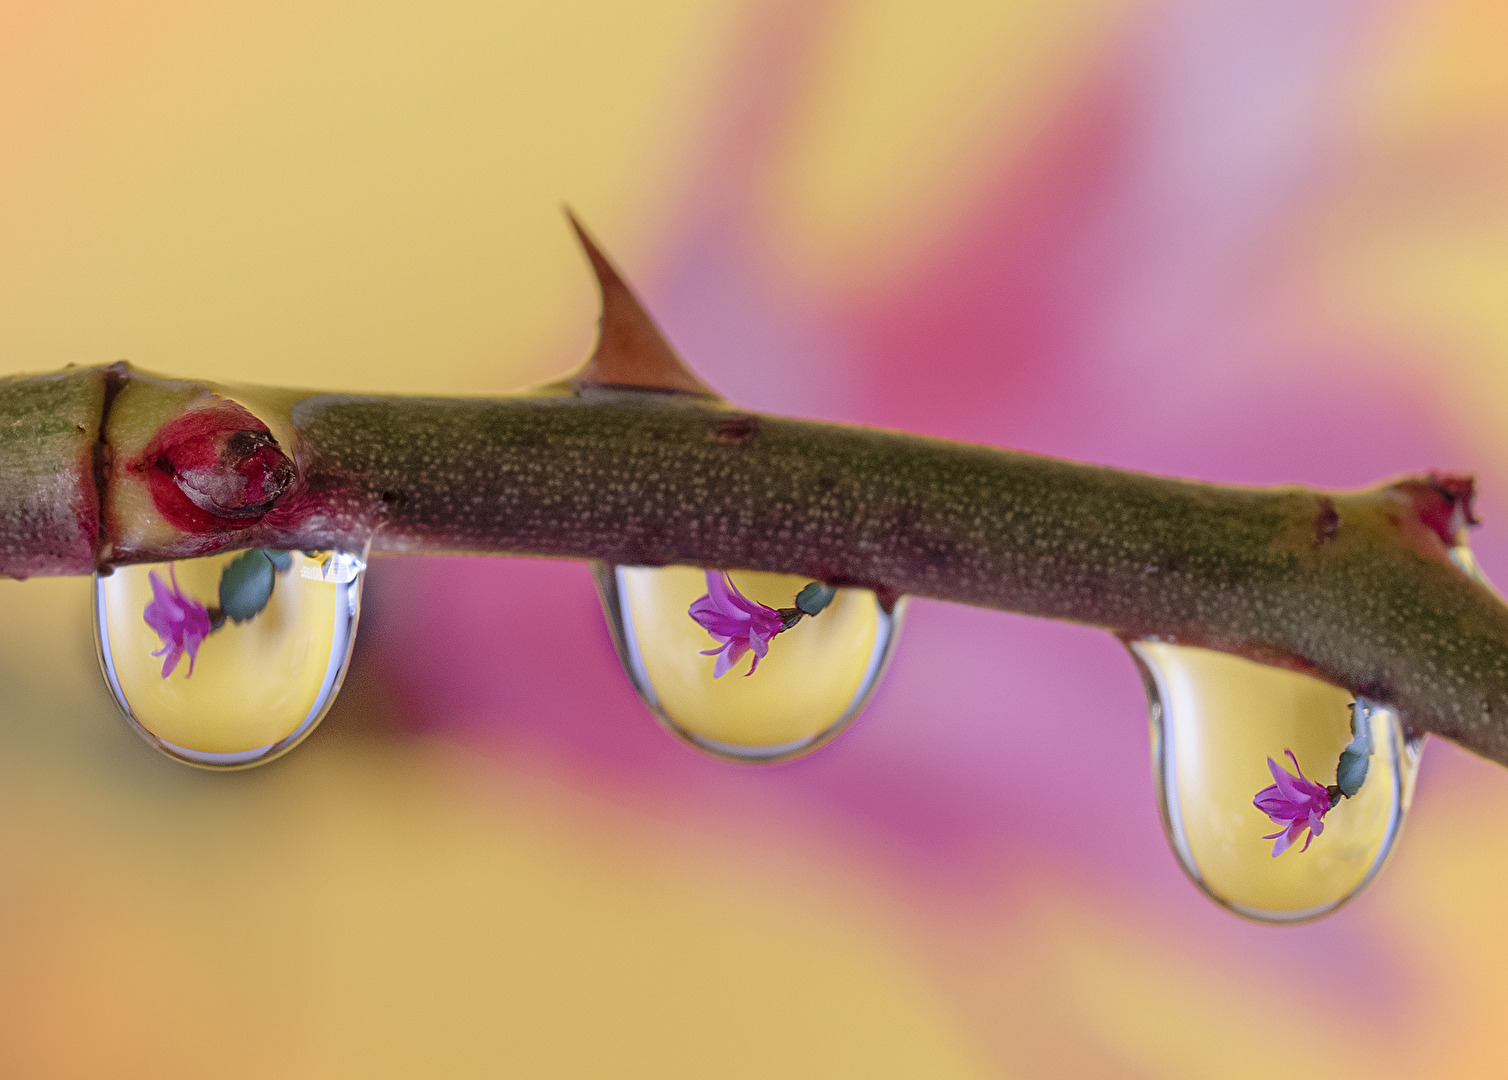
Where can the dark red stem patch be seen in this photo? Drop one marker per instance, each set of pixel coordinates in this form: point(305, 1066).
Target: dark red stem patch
point(1443, 503)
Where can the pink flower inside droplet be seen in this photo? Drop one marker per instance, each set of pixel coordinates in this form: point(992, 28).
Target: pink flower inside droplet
point(1294, 802)
point(739, 623)
point(180, 621)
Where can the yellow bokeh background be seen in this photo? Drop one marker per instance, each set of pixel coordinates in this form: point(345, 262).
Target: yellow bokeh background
point(361, 198)
point(367, 198)
point(372, 906)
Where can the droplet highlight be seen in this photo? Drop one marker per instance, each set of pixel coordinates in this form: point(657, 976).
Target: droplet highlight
point(1215, 720)
point(814, 680)
point(230, 660)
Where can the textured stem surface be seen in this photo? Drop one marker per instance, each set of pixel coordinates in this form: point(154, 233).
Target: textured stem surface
point(49, 436)
point(1354, 587)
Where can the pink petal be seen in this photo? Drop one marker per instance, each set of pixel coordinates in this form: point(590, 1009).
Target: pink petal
point(1285, 781)
point(725, 596)
point(160, 591)
point(728, 658)
point(1288, 785)
point(706, 611)
point(1270, 800)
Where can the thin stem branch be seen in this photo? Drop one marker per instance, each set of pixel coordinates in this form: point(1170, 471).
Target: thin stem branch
point(636, 460)
point(1356, 587)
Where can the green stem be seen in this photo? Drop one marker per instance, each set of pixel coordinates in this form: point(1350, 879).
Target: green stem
point(1352, 587)
point(49, 437)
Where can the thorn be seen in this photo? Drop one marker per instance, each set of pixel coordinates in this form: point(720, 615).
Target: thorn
point(630, 350)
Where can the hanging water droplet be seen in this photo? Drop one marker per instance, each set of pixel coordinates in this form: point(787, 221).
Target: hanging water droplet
point(229, 660)
point(1215, 721)
point(814, 680)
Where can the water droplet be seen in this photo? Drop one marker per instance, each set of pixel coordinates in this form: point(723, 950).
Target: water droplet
point(257, 686)
point(815, 679)
point(1215, 721)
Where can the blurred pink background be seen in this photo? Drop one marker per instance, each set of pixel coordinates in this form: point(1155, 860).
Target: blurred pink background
point(1255, 243)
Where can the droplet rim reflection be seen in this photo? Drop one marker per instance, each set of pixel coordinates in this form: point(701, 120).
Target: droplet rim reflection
point(1405, 754)
point(620, 628)
point(349, 579)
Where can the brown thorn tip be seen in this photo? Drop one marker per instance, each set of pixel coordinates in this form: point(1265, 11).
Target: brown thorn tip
point(630, 350)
